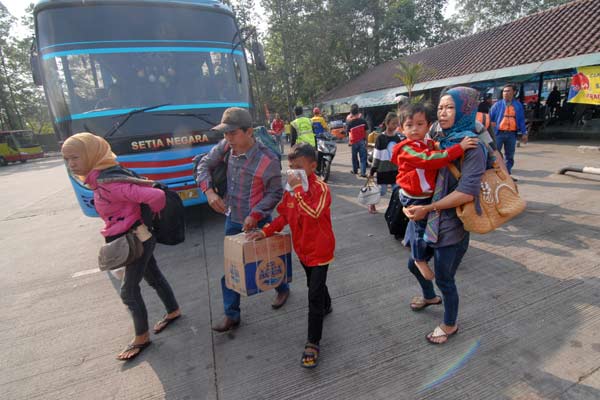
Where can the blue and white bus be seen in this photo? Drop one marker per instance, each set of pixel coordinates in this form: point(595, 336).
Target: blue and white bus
point(151, 76)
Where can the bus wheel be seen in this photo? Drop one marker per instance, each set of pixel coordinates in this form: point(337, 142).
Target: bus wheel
point(23, 161)
point(3, 162)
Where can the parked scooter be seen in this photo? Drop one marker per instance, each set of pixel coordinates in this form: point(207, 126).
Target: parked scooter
point(326, 148)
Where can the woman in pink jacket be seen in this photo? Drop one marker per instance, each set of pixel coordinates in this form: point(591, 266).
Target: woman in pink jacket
point(118, 204)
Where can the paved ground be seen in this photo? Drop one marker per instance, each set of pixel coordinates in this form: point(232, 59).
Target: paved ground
point(529, 317)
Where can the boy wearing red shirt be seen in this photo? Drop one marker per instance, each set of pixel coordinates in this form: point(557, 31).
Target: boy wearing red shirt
point(309, 217)
point(418, 164)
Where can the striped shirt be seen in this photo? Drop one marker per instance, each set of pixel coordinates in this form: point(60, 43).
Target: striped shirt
point(254, 185)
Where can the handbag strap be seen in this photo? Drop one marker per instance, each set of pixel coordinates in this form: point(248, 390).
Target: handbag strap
point(370, 182)
point(454, 171)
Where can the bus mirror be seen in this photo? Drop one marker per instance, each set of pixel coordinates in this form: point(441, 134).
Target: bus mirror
point(259, 56)
point(34, 61)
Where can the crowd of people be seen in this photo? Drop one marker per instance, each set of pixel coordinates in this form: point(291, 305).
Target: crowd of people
point(413, 152)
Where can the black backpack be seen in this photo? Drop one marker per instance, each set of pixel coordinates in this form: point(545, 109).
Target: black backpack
point(168, 227)
point(395, 218)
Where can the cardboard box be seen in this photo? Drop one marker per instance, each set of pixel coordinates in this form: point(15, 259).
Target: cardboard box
point(257, 266)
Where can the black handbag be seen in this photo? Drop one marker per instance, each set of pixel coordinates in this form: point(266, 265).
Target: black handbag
point(395, 218)
point(218, 174)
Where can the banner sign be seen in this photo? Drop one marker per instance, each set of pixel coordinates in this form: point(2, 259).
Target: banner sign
point(585, 86)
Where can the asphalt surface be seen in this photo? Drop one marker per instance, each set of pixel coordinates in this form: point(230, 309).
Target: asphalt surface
point(529, 313)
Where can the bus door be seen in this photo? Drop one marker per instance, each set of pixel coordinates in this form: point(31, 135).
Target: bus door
point(9, 151)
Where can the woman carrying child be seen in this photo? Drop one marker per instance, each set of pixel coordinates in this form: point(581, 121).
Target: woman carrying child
point(445, 235)
point(382, 166)
point(118, 204)
point(418, 163)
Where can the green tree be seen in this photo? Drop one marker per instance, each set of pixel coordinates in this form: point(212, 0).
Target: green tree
point(478, 15)
point(9, 113)
point(22, 104)
point(312, 46)
point(409, 74)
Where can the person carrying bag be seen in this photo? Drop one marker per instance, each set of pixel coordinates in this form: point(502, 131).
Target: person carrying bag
point(129, 241)
point(370, 193)
point(498, 200)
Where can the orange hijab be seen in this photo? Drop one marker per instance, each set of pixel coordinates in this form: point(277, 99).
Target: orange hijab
point(93, 150)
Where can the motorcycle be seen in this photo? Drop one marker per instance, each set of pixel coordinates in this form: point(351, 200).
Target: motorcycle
point(326, 148)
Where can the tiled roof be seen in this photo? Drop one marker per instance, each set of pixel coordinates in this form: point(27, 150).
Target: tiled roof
point(572, 29)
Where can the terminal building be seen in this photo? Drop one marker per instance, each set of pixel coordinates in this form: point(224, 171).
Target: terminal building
point(536, 52)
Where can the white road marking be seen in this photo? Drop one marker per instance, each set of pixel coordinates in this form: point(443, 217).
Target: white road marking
point(84, 273)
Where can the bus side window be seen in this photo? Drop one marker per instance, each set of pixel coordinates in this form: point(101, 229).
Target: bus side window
point(11, 142)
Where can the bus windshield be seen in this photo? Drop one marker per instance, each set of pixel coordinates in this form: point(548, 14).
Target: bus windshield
point(25, 139)
point(108, 60)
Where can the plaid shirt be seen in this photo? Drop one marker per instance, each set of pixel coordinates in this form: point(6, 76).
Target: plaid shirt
point(254, 185)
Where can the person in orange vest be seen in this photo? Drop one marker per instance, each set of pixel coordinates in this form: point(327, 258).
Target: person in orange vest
point(483, 111)
point(508, 120)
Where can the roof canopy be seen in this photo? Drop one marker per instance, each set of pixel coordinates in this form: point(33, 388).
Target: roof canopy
point(559, 38)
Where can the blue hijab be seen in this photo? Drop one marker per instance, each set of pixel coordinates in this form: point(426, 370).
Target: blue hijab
point(465, 102)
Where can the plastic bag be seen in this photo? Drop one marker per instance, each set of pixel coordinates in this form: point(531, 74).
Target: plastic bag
point(299, 173)
point(369, 194)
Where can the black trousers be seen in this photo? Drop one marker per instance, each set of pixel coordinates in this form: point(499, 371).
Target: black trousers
point(145, 267)
point(318, 300)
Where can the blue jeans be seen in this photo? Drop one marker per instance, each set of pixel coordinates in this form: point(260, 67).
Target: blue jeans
point(415, 231)
point(359, 149)
point(384, 187)
point(278, 139)
point(446, 260)
point(231, 299)
point(508, 140)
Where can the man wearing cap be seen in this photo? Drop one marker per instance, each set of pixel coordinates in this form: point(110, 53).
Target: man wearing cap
point(253, 190)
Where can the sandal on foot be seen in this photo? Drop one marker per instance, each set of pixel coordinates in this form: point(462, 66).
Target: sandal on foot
point(132, 346)
point(419, 303)
point(438, 333)
point(310, 356)
point(164, 322)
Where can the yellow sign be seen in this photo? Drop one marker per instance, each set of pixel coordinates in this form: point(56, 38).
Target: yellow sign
point(585, 86)
point(188, 194)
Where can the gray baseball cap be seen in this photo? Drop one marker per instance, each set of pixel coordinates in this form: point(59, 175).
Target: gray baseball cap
point(234, 118)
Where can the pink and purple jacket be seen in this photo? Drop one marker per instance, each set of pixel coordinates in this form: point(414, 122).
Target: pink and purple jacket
point(118, 204)
point(418, 164)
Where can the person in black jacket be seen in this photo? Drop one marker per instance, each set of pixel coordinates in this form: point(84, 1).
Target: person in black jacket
point(382, 166)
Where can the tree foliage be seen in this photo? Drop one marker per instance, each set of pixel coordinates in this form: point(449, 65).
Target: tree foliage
point(409, 74)
point(478, 15)
point(22, 104)
point(313, 46)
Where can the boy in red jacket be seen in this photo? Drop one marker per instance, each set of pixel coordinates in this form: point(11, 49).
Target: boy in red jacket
point(418, 163)
point(309, 217)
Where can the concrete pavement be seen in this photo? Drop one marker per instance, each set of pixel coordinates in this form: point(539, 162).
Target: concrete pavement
point(529, 316)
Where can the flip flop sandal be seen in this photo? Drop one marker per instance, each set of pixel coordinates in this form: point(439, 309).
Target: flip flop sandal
point(439, 333)
point(418, 303)
point(310, 359)
point(164, 322)
point(132, 346)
